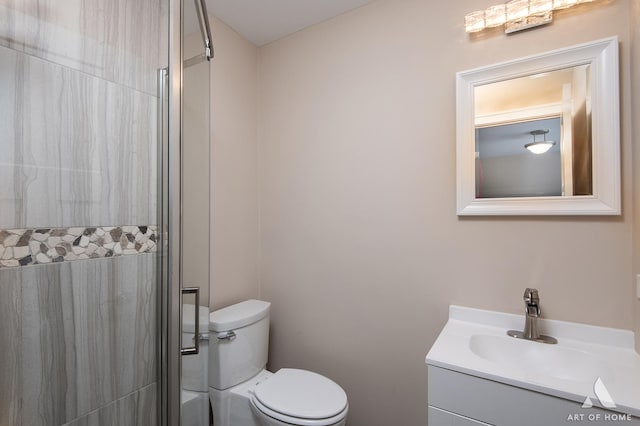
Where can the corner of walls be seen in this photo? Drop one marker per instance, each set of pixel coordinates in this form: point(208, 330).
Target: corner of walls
point(234, 168)
point(258, 112)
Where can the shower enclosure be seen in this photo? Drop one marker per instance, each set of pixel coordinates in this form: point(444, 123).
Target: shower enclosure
point(95, 209)
point(193, 211)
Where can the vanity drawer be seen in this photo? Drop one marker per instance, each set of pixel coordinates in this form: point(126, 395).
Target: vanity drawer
point(438, 417)
point(504, 405)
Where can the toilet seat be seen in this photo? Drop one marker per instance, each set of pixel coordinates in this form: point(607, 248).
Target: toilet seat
point(301, 397)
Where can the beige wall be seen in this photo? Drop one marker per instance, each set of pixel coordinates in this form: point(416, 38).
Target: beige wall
point(635, 67)
point(361, 249)
point(234, 129)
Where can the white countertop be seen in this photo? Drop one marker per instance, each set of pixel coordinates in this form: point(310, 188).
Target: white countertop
point(599, 352)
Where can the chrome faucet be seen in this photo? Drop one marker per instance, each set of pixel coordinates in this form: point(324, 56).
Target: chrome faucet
point(531, 315)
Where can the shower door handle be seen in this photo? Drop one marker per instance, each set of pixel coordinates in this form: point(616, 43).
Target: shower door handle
point(195, 349)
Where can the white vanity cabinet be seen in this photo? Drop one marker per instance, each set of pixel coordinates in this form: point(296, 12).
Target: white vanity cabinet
point(458, 399)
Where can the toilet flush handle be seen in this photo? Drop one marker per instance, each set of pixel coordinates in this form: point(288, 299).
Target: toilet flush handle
point(227, 335)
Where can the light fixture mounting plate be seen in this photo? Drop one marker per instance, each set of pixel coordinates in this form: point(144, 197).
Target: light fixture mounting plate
point(539, 132)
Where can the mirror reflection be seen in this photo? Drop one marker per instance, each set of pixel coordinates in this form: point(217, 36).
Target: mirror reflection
point(533, 135)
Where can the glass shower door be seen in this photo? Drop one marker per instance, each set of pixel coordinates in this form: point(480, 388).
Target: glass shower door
point(195, 222)
point(79, 239)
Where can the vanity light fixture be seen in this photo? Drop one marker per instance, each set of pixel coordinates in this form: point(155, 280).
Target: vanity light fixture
point(517, 15)
point(539, 147)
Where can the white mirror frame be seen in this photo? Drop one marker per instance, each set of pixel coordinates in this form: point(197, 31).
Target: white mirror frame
point(602, 55)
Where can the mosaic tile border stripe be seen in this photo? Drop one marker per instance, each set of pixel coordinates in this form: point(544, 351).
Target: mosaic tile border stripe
point(22, 247)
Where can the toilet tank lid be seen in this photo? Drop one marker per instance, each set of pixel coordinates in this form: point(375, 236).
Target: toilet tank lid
point(238, 315)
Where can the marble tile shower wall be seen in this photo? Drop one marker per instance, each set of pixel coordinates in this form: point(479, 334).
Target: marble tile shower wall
point(69, 351)
point(136, 409)
point(122, 41)
point(76, 150)
point(78, 154)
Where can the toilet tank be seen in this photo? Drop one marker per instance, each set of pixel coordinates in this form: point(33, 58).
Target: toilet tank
point(238, 343)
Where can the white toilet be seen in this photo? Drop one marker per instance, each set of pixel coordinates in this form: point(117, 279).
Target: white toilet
point(243, 393)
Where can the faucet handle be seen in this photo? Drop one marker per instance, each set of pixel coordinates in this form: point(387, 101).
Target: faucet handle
point(532, 302)
point(532, 313)
point(531, 296)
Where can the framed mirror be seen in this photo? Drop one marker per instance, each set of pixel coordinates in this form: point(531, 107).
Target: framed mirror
point(541, 135)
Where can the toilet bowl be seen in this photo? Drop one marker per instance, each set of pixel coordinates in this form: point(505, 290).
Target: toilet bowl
point(243, 392)
point(299, 397)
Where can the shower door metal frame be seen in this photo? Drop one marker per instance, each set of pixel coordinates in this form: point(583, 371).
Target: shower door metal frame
point(170, 336)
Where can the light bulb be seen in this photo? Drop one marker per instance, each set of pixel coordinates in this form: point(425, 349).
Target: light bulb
point(540, 147)
point(540, 6)
point(563, 4)
point(474, 21)
point(495, 15)
point(517, 10)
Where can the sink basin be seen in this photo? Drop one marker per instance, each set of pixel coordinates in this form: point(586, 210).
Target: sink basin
point(475, 342)
point(538, 358)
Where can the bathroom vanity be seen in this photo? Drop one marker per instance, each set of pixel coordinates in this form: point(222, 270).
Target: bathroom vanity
point(478, 375)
